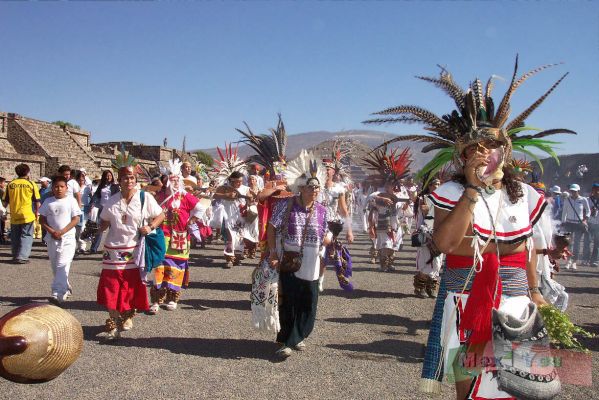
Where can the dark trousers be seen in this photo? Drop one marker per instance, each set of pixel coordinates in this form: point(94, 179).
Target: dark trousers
point(297, 310)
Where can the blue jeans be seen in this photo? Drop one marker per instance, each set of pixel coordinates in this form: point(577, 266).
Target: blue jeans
point(21, 240)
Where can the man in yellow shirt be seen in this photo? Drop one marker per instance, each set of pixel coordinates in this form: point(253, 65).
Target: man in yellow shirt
point(23, 197)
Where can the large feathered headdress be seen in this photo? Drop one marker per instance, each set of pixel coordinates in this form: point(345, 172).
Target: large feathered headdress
point(304, 170)
point(270, 149)
point(227, 163)
point(390, 167)
point(475, 120)
point(340, 150)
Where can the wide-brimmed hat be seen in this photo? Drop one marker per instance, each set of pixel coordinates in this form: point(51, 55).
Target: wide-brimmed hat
point(45, 179)
point(556, 189)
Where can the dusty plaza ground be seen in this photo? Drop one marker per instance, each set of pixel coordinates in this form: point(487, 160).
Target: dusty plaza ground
point(368, 344)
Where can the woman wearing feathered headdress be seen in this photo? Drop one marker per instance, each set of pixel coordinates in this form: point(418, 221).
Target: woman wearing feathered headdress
point(128, 215)
point(333, 196)
point(297, 232)
point(182, 210)
point(483, 222)
point(386, 204)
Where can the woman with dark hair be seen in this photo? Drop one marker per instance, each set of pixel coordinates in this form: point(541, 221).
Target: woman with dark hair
point(106, 188)
point(484, 222)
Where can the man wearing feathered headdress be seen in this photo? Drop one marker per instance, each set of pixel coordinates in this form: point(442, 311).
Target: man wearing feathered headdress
point(233, 196)
point(182, 210)
point(483, 223)
point(387, 204)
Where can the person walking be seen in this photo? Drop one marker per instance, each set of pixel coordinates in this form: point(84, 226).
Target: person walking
point(593, 237)
point(127, 215)
point(181, 209)
point(59, 215)
point(23, 197)
point(105, 190)
point(574, 220)
point(296, 233)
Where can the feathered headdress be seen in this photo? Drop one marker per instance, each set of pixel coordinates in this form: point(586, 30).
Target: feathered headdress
point(521, 166)
point(391, 167)
point(270, 149)
point(339, 152)
point(124, 161)
point(302, 170)
point(474, 121)
point(227, 164)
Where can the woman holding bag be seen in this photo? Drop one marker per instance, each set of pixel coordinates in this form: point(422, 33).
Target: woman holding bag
point(127, 219)
point(296, 234)
point(182, 209)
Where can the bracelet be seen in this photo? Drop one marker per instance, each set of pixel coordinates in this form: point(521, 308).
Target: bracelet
point(534, 289)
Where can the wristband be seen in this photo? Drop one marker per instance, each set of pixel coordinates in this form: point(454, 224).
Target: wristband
point(534, 289)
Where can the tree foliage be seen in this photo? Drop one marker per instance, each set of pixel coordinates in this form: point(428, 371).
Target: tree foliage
point(67, 124)
point(204, 158)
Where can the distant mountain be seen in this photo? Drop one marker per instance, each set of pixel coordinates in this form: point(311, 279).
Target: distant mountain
point(297, 142)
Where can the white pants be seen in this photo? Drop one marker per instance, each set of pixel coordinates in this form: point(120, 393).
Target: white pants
point(61, 253)
point(423, 254)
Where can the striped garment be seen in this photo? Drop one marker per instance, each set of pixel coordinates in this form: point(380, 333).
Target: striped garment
point(513, 280)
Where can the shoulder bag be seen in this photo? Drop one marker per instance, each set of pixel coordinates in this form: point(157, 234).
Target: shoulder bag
point(292, 260)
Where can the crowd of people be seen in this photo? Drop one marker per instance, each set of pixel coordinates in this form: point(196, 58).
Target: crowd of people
point(489, 236)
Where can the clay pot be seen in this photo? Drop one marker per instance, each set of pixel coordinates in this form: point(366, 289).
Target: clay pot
point(38, 342)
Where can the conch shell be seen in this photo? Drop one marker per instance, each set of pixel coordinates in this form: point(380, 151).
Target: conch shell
point(38, 342)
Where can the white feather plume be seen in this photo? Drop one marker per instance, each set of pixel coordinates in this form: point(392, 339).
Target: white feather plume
point(298, 170)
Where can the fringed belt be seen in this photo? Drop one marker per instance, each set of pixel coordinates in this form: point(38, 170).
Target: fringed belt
point(485, 290)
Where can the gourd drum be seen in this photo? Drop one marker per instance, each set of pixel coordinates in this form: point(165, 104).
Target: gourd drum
point(38, 342)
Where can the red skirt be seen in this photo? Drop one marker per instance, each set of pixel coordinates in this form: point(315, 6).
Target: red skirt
point(122, 290)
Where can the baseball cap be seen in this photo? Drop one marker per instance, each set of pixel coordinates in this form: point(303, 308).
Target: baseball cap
point(556, 189)
point(596, 184)
point(574, 187)
point(45, 179)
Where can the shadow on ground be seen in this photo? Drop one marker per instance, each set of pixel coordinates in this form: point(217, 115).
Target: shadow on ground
point(384, 319)
point(383, 350)
point(229, 349)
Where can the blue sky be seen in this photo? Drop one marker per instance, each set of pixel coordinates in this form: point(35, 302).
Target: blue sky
point(145, 70)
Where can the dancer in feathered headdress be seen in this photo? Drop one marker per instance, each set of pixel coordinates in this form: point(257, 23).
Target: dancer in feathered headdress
point(131, 216)
point(334, 195)
point(182, 210)
point(234, 198)
point(387, 204)
point(270, 154)
point(296, 233)
point(484, 217)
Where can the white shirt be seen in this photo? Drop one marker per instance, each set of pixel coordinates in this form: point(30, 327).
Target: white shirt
point(105, 194)
point(73, 188)
point(571, 207)
point(329, 197)
point(125, 234)
point(60, 212)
